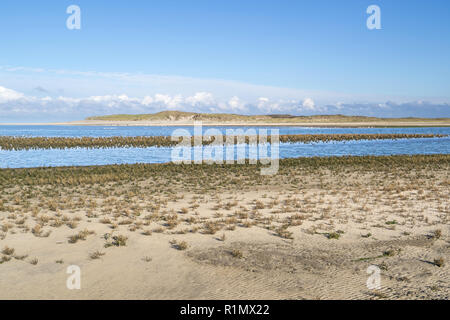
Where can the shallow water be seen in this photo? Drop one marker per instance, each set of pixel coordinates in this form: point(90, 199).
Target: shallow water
point(82, 156)
point(108, 131)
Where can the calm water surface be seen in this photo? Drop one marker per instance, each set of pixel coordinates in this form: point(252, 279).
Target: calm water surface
point(81, 156)
point(108, 131)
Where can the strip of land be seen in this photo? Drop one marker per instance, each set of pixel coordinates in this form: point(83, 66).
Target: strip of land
point(32, 143)
point(178, 118)
point(168, 231)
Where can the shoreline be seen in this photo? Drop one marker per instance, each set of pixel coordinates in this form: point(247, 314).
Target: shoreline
point(377, 124)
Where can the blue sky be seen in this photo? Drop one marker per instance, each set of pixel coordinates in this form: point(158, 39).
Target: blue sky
point(298, 57)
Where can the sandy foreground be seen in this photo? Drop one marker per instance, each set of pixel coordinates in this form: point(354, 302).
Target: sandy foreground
point(226, 232)
point(172, 123)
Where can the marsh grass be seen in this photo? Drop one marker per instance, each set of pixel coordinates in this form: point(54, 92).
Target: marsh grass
point(437, 234)
point(96, 255)
point(391, 252)
point(179, 245)
point(127, 198)
point(115, 240)
point(282, 232)
point(33, 143)
point(5, 259)
point(334, 235)
point(82, 235)
point(211, 227)
point(8, 251)
point(236, 253)
point(440, 262)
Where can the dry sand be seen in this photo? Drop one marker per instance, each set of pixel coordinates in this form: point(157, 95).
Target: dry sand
point(386, 218)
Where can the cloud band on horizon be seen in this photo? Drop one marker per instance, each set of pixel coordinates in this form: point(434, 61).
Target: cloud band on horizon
point(73, 95)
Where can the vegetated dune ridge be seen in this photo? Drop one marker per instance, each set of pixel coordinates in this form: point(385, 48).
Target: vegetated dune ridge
point(175, 118)
point(170, 231)
point(178, 118)
point(28, 143)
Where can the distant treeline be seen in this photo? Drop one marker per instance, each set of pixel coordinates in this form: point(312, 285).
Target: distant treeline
point(32, 143)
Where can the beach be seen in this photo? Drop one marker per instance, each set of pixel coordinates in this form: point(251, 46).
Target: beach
point(167, 231)
point(172, 123)
point(225, 159)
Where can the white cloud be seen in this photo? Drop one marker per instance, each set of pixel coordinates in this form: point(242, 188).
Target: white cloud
point(143, 91)
point(308, 104)
point(147, 101)
point(168, 102)
point(9, 95)
point(235, 105)
point(14, 104)
point(201, 99)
